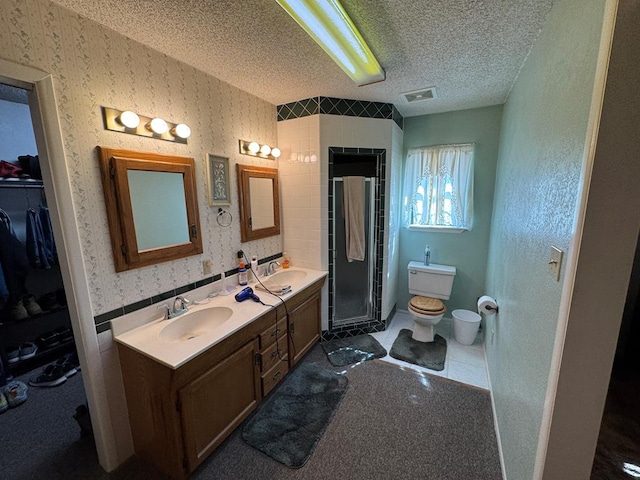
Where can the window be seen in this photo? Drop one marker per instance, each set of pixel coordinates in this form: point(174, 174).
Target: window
point(438, 187)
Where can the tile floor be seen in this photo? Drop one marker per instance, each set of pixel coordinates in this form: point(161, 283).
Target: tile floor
point(463, 363)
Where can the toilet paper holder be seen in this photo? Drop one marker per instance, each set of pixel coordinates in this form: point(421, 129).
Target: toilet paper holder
point(489, 307)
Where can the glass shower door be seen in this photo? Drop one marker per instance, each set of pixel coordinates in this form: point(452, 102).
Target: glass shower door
point(352, 281)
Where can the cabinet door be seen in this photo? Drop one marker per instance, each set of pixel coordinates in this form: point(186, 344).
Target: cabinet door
point(215, 403)
point(304, 328)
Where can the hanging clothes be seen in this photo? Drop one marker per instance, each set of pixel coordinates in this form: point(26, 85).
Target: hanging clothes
point(6, 219)
point(36, 251)
point(14, 261)
point(47, 233)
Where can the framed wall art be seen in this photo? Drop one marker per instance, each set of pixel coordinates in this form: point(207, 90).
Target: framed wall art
point(219, 191)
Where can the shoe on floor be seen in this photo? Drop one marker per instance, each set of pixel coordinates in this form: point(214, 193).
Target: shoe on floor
point(31, 306)
point(13, 354)
point(15, 392)
point(28, 350)
point(51, 376)
point(4, 405)
point(68, 368)
point(17, 311)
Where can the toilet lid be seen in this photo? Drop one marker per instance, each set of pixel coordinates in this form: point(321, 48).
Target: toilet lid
point(427, 305)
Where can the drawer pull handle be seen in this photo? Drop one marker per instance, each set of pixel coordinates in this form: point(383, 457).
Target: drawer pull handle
point(273, 355)
point(277, 374)
point(275, 332)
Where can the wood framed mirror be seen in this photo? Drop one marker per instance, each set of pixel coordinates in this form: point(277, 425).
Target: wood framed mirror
point(152, 207)
point(259, 202)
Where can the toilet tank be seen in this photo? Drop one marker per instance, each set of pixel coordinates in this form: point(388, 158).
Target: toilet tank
point(431, 280)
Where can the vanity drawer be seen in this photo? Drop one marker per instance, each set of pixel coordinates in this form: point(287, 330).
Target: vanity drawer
point(270, 355)
point(268, 336)
point(273, 376)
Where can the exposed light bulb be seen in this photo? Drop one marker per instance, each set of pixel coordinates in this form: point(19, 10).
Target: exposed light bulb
point(158, 126)
point(275, 151)
point(129, 119)
point(254, 147)
point(265, 150)
point(181, 130)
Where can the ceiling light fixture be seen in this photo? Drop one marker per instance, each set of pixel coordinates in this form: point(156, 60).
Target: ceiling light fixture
point(256, 150)
point(329, 25)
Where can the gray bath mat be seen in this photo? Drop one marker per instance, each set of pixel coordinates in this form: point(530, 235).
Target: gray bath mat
point(345, 351)
point(426, 354)
point(289, 424)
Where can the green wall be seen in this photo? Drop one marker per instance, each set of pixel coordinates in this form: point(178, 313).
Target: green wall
point(538, 183)
point(467, 251)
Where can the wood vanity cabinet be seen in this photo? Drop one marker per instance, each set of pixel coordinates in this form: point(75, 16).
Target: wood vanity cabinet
point(180, 416)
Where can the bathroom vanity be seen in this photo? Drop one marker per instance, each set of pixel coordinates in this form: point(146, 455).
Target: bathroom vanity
point(183, 403)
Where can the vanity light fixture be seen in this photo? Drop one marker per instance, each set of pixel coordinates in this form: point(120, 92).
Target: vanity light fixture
point(328, 24)
point(255, 149)
point(127, 121)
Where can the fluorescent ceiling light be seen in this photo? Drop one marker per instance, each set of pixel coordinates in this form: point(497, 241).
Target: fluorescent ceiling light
point(330, 26)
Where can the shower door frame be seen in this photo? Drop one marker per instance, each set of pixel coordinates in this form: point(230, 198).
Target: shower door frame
point(376, 323)
point(371, 252)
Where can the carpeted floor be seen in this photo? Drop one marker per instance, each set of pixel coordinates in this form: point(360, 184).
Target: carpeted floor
point(392, 423)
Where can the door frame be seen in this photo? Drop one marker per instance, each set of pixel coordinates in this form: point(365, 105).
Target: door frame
point(57, 187)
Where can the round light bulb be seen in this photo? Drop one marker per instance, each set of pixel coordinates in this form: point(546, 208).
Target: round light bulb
point(254, 147)
point(275, 152)
point(182, 130)
point(159, 126)
point(129, 119)
point(265, 150)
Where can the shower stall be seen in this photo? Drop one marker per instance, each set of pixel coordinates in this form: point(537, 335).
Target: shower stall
point(355, 288)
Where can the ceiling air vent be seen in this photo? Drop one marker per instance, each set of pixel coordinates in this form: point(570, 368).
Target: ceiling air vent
point(420, 95)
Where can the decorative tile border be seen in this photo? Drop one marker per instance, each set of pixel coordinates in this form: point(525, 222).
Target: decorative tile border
point(375, 324)
point(339, 106)
point(103, 321)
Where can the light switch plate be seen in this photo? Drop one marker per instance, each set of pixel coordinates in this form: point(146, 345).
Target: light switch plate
point(555, 263)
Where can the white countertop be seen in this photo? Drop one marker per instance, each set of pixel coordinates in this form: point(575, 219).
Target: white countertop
point(146, 339)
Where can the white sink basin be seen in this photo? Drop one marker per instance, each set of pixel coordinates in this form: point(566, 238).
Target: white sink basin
point(286, 277)
point(194, 324)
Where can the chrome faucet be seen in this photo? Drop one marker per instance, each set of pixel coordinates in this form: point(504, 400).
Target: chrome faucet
point(178, 307)
point(271, 268)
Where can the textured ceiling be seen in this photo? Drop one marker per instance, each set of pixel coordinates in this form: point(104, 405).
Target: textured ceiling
point(471, 50)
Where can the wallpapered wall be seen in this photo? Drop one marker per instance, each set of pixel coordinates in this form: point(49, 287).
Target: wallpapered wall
point(93, 67)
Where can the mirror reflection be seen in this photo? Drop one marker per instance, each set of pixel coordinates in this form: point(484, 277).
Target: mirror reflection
point(158, 227)
point(261, 203)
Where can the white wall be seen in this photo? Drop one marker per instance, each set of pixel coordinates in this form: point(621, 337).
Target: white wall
point(17, 131)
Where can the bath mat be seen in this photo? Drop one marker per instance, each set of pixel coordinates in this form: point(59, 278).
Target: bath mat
point(426, 354)
point(289, 424)
point(345, 351)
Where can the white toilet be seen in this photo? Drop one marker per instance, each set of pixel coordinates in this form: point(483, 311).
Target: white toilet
point(430, 284)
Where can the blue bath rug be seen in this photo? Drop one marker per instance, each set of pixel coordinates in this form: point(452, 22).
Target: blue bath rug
point(345, 351)
point(426, 354)
point(289, 424)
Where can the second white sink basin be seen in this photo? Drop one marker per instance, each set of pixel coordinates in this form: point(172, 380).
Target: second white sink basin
point(194, 324)
point(285, 277)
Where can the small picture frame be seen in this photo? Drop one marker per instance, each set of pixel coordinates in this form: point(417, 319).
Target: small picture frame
point(219, 191)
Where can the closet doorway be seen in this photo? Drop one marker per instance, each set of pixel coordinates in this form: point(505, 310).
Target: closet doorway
point(37, 345)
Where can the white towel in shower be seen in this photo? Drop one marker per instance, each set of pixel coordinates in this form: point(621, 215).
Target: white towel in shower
point(353, 204)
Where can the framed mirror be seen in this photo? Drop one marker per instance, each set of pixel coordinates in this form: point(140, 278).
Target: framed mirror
point(152, 207)
point(259, 202)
